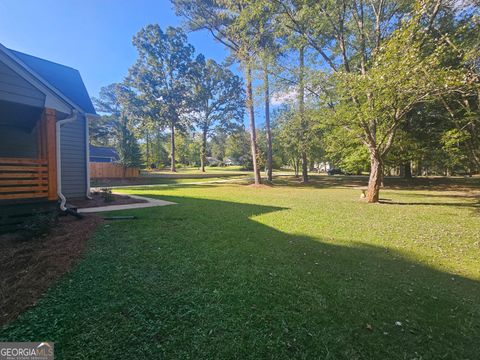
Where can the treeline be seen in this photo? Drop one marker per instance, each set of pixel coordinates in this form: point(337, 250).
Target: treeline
point(380, 86)
point(168, 92)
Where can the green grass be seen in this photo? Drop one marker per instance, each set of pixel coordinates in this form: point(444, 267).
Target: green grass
point(196, 170)
point(167, 180)
point(284, 272)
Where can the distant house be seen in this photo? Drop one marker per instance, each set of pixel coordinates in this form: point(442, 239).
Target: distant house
point(230, 162)
point(103, 154)
point(213, 161)
point(44, 114)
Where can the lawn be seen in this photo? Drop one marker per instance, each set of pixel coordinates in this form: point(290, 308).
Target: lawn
point(196, 170)
point(170, 179)
point(291, 271)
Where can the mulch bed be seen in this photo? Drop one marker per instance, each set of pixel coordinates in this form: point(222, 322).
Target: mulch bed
point(98, 200)
point(28, 267)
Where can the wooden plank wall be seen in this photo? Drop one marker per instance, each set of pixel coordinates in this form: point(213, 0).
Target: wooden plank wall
point(111, 170)
point(23, 178)
point(29, 178)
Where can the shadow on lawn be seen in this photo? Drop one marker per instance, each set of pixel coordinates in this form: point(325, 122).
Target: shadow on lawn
point(417, 183)
point(473, 205)
point(471, 200)
point(161, 179)
point(206, 279)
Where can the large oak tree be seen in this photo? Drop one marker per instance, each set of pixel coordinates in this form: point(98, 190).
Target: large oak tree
point(162, 77)
point(218, 98)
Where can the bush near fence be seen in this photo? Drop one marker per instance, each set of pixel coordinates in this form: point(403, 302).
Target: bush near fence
point(111, 170)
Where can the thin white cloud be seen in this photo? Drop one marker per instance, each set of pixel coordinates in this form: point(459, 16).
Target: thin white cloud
point(284, 97)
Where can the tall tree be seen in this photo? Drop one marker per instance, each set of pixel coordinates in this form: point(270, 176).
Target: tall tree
point(161, 75)
point(405, 72)
point(266, 51)
point(237, 148)
point(349, 38)
point(117, 104)
point(266, 89)
point(103, 131)
point(127, 147)
point(275, 42)
point(288, 131)
point(222, 19)
point(342, 35)
point(301, 109)
point(218, 100)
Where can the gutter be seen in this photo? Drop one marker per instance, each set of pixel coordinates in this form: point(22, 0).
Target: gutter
point(59, 123)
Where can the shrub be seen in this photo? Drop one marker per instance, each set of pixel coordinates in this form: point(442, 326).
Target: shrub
point(106, 194)
point(39, 224)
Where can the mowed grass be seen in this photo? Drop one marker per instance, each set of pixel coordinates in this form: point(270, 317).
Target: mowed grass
point(169, 179)
point(287, 272)
point(196, 170)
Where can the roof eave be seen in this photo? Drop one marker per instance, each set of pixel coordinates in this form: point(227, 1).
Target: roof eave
point(44, 82)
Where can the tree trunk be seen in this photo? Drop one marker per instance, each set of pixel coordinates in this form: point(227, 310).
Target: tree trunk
point(267, 124)
point(374, 182)
point(172, 147)
point(203, 150)
point(159, 148)
point(301, 108)
point(253, 134)
point(418, 170)
point(407, 170)
point(147, 141)
point(295, 167)
point(304, 167)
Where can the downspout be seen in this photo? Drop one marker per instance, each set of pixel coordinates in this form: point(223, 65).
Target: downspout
point(63, 199)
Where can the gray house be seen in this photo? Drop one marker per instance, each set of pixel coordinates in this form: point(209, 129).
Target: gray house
point(103, 154)
point(44, 114)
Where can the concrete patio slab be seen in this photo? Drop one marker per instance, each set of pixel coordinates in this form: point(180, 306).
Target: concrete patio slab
point(150, 203)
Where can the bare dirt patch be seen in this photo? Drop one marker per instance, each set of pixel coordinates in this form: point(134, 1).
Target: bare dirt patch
point(29, 267)
point(97, 201)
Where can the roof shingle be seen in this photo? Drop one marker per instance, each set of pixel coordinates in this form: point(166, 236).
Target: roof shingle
point(64, 78)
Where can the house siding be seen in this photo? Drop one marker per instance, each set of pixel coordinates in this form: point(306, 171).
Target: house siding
point(73, 154)
point(16, 89)
point(17, 143)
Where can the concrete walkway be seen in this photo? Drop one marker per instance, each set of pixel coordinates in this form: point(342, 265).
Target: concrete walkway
point(150, 203)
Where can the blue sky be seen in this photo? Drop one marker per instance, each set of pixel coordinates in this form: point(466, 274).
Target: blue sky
point(93, 36)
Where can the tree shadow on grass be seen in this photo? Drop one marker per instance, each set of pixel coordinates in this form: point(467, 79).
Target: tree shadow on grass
point(164, 179)
point(391, 183)
point(207, 279)
point(454, 204)
point(471, 201)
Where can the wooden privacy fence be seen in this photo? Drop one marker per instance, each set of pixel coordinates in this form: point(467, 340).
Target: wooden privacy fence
point(23, 178)
point(111, 170)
